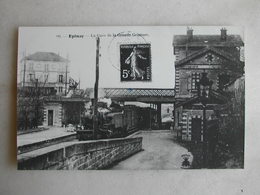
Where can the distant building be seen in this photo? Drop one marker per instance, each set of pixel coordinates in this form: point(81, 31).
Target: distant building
point(219, 57)
point(49, 70)
point(60, 111)
point(48, 74)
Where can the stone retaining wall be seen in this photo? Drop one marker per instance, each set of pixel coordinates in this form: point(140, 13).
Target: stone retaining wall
point(82, 155)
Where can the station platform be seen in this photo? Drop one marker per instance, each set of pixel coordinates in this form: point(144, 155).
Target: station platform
point(30, 141)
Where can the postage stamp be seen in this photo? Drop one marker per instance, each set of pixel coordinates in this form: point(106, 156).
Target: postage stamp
point(135, 62)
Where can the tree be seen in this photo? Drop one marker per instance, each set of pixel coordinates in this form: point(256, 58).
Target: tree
point(30, 105)
point(232, 127)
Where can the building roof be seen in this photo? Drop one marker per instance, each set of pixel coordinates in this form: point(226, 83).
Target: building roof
point(57, 98)
point(46, 56)
point(205, 50)
point(215, 98)
point(204, 40)
point(239, 78)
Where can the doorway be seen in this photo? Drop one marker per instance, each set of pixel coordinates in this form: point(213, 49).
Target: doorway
point(50, 117)
point(196, 129)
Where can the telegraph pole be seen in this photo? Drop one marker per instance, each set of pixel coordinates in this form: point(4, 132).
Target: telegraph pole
point(24, 68)
point(95, 117)
point(66, 75)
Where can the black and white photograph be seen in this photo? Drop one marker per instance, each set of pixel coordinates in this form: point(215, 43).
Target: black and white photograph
point(131, 98)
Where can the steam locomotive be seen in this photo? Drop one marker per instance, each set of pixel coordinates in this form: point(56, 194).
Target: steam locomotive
point(113, 124)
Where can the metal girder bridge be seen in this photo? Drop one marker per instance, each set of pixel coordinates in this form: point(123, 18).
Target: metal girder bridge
point(155, 96)
point(147, 95)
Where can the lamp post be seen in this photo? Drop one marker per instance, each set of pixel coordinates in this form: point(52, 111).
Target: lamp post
point(204, 87)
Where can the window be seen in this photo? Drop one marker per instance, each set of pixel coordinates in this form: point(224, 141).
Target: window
point(194, 80)
point(31, 77)
point(46, 67)
point(53, 67)
point(60, 89)
point(61, 78)
point(223, 79)
point(31, 66)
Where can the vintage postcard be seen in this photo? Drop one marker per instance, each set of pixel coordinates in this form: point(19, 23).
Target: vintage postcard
point(130, 98)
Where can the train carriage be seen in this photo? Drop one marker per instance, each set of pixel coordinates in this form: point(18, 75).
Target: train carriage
point(131, 114)
point(115, 124)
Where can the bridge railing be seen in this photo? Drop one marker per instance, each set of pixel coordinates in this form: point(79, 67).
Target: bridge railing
point(138, 92)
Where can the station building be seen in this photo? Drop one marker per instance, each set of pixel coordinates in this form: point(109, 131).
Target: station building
point(216, 55)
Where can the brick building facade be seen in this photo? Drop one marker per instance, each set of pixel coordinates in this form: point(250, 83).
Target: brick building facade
point(216, 55)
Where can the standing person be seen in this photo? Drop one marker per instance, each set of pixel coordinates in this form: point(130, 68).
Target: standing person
point(213, 130)
point(136, 72)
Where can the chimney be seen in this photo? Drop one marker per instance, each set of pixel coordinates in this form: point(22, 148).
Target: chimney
point(189, 33)
point(223, 34)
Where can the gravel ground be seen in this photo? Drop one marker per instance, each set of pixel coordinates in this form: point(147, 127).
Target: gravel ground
point(160, 152)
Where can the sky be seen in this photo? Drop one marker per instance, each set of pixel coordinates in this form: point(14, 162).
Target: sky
point(81, 50)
